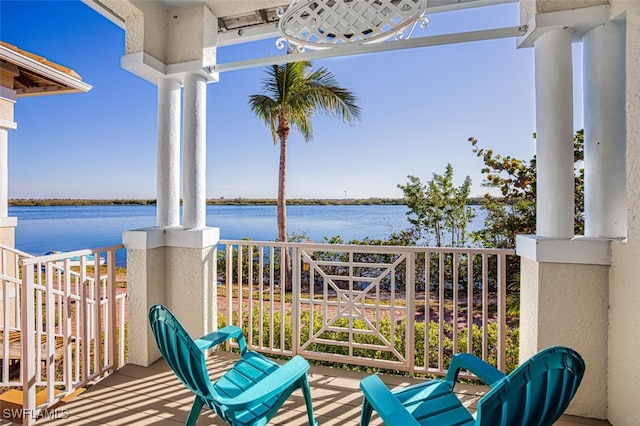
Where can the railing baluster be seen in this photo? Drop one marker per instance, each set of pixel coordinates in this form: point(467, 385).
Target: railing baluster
point(111, 279)
point(427, 308)
point(441, 282)
point(454, 287)
point(67, 364)
point(410, 290)
point(97, 316)
point(123, 302)
point(5, 319)
point(485, 307)
point(27, 356)
point(239, 275)
point(470, 285)
point(39, 324)
point(250, 293)
point(261, 295)
point(272, 294)
point(312, 296)
point(50, 333)
point(282, 251)
point(502, 310)
point(295, 290)
point(229, 278)
point(351, 311)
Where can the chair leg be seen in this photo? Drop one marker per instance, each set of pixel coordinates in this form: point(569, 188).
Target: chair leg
point(195, 412)
point(306, 391)
point(367, 409)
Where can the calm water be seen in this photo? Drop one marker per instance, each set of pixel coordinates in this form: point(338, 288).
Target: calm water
point(42, 229)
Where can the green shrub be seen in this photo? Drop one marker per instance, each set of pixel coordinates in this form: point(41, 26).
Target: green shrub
point(384, 326)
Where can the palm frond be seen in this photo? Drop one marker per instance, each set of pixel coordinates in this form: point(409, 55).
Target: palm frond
point(299, 93)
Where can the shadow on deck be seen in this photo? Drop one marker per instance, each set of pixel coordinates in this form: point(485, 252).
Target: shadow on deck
point(145, 396)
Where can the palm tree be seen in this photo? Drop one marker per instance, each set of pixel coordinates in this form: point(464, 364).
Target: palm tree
point(292, 95)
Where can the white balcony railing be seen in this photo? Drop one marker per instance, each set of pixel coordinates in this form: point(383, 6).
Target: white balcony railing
point(399, 308)
point(75, 332)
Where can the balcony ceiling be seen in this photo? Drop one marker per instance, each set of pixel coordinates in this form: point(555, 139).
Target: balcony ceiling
point(238, 15)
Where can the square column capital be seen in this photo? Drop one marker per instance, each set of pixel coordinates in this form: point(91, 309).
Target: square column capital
point(580, 19)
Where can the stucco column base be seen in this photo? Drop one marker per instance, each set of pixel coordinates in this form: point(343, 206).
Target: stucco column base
point(567, 304)
point(8, 231)
point(175, 267)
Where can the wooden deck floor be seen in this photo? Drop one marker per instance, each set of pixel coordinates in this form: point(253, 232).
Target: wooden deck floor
point(154, 396)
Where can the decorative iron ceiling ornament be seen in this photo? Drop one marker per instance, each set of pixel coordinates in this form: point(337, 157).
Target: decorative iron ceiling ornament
point(321, 24)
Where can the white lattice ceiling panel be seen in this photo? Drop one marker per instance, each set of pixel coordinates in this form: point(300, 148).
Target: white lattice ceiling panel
point(323, 23)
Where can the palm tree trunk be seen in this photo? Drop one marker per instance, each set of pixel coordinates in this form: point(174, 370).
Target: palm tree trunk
point(282, 192)
point(283, 134)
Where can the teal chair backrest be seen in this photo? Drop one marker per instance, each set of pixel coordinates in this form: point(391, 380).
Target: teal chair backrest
point(536, 393)
point(180, 351)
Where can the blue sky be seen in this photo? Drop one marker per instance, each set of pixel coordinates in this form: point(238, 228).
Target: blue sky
point(419, 108)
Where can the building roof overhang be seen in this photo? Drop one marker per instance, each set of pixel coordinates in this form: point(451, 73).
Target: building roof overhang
point(35, 75)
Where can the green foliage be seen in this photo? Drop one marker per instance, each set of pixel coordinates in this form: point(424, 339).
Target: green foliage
point(439, 208)
point(513, 212)
point(31, 202)
point(384, 326)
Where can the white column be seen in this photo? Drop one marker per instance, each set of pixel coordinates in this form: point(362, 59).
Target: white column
point(194, 155)
point(4, 172)
point(605, 131)
point(554, 140)
point(168, 173)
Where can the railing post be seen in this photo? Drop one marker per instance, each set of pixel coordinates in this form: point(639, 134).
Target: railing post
point(27, 356)
point(295, 290)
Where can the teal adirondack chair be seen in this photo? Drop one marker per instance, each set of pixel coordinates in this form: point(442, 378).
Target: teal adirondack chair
point(250, 393)
point(536, 393)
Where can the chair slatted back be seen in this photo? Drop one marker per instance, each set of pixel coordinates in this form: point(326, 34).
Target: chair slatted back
point(536, 393)
point(180, 352)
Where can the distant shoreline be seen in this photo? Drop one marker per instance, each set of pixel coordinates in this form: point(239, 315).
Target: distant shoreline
point(37, 202)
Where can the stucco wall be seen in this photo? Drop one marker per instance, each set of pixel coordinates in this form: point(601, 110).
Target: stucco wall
point(191, 288)
point(192, 35)
point(624, 292)
point(566, 304)
point(7, 236)
point(6, 109)
point(145, 275)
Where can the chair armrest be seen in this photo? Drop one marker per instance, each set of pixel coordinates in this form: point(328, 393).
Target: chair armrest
point(221, 335)
point(485, 372)
point(271, 385)
point(392, 412)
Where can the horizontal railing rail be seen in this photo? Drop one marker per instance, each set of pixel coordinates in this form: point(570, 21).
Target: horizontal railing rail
point(69, 324)
point(387, 307)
